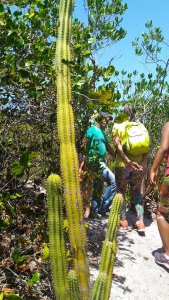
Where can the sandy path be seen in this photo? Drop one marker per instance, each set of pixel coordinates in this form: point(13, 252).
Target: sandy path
point(139, 277)
point(136, 275)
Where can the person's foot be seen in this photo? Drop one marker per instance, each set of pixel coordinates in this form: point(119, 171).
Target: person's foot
point(161, 259)
point(124, 223)
point(140, 227)
point(104, 213)
point(95, 215)
point(87, 212)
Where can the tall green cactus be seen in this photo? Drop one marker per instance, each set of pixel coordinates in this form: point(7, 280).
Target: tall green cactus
point(75, 284)
point(68, 159)
point(56, 238)
point(109, 249)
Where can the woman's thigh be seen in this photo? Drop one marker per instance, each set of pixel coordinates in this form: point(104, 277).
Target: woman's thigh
point(164, 198)
point(121, 176)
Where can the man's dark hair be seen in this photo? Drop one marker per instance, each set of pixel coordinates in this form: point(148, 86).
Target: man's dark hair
point(104, 115)
point(98, 117)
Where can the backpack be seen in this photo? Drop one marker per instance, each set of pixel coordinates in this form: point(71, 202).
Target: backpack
point(137, 139)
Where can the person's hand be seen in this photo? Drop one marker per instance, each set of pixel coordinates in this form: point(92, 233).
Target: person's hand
point(135, 166)
point(153, 177)
point(81, 175)
point(143, 164)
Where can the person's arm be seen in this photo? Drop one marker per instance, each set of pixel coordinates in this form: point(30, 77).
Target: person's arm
point(120, 151)
point(164, 148)
point(110, 150)
point(84, 143)
point(82, 165)
point(83, 148)
point(144, 160)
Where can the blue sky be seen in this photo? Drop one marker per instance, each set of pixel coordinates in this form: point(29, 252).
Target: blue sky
point(138, 13)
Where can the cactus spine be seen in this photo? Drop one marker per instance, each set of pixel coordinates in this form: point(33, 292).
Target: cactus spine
point(114, 218)
point(56, 238)
point(108, 250)
point(99, 287)
point(68, 159)
point(73, 285)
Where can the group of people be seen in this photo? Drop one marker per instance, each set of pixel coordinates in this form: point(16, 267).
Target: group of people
point(130, 168)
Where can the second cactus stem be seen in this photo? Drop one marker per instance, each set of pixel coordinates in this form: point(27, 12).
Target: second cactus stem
point(56, 237)
point(108, 252)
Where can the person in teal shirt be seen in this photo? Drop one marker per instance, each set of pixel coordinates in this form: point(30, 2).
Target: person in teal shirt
point(96, 145)
point(97, 141)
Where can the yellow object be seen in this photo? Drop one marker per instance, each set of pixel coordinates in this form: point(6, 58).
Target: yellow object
point(45, 251)
point(120, 131)
point(137, 138)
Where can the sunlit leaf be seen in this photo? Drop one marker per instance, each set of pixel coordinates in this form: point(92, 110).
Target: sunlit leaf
point(91, 40)
point(95, 95)
point(17, 169)
point(31, 15)
point(45, 251)
point(77, 46)
point(17, 258)
point(121, 118)
point(28, 63)
point(1, 296)
point(86, 53)
point(106, 96)
point(12, 297)
point(34, 279)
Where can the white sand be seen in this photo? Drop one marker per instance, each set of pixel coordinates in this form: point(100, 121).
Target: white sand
point(136, 275)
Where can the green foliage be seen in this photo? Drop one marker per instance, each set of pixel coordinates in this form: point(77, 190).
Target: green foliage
point(5, 196)
point(101, 29)
point(34, 279)
point(29, 145)
point(151, 91)
point(103, 20)
point(27, 44)
point(17, 258)
point(20, 168)
point(27, 84)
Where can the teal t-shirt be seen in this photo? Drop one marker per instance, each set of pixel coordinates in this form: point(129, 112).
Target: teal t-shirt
point(96, 147)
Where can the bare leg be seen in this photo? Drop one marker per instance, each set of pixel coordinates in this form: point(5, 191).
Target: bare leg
point(163, 227)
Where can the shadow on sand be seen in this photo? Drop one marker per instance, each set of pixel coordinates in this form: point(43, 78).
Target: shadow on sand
point(96, 230)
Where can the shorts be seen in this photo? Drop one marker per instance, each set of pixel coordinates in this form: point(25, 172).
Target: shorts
point(163, 206)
